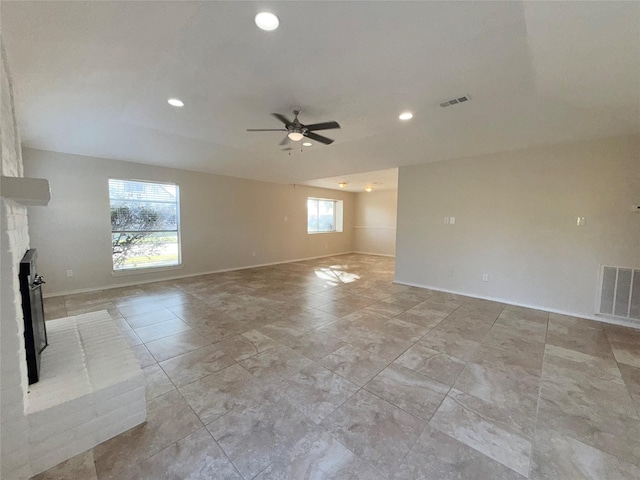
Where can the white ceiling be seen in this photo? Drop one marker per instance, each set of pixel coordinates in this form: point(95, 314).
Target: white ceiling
point(92, 78)
point(357, 182)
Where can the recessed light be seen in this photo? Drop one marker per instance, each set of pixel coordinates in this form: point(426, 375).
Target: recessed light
point(307, 144)
point(368, 189)
point(406, 116)
point(342, 184)
point(267, 21)
point(174, 102)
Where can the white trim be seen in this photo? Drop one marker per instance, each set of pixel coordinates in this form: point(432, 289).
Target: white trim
point(366, 226)
point(597, 317)
point(178, 277)
point(375, 254)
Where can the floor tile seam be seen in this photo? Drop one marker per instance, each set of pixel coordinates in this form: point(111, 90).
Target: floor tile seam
point(160, 449)
point(224, 452)
point(457, 376)
point(484, 337)
point(203, 426)
point(430, 329)
point(345, 378)
point(510, 376)
point(431, 378)
point(330, 433)
point(401, 461)
point(569, 434)
point(590, 444)
point(192, 351)
point(537, 418)
point(426, 421)
point(637, 407)
point(139, 313)
point(510, 429)
point(175, 317)
point(175, 387)
point(480, 452)
point(190, 408)
point(257, 474)
point(337, 408)
point(165, 336)
point(505, 365)
point(636, 404)
point(206, 376)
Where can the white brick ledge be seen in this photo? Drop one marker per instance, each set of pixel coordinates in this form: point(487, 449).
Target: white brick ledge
point(91, 388)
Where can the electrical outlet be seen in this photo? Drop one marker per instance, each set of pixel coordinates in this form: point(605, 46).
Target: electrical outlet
point(452, 220)
point(253, 254)
point(635, 208)
point(581, 222)
point(485, 277)
point(446, 220)
point(69, 273)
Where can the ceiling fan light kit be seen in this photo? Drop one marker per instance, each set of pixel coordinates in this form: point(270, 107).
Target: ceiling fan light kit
point(295, 136)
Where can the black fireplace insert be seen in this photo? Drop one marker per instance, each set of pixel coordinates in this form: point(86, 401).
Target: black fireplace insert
point(35, 331)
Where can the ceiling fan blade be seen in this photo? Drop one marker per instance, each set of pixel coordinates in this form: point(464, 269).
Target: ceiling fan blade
point(282, 118)
point(266, 129)
point(318, 138)
point(322, 126)
point(284, 141)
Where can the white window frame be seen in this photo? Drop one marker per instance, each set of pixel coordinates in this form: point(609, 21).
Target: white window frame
point(338, 215)
point(157, 268)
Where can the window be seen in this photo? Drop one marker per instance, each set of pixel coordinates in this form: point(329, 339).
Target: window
point(145, 224)
point(324, 215)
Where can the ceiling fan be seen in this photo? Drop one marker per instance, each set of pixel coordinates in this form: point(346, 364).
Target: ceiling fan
point(296, 131)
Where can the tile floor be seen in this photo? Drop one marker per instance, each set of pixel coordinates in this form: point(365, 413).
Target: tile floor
point(325, 369)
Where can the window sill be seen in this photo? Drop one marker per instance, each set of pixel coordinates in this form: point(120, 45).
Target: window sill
point(138, 271)
point(321, 233)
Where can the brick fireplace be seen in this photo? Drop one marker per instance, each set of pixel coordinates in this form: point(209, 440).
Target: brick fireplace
point(91, 387)
point(14, 242)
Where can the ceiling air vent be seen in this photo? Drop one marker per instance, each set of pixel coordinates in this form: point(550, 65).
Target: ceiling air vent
point(454, 101)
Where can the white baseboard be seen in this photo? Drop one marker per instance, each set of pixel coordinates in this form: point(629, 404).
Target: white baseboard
point(376, 254)
point(625, 322)
point(178, 277)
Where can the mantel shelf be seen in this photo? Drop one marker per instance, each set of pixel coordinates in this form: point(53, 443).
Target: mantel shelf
point(24, 190)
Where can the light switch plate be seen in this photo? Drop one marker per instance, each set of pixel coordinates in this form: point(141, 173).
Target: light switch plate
point(452, 220)
point(582, 221)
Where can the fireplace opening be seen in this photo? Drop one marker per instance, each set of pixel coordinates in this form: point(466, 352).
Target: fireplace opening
point(35, 331)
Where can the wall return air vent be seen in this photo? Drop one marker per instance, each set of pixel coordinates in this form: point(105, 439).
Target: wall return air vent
point(620, 292)
point(455, 101)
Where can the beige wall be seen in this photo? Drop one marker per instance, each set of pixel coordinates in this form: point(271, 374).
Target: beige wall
point(375, 222)
point(223, 220)
point(516, 218)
